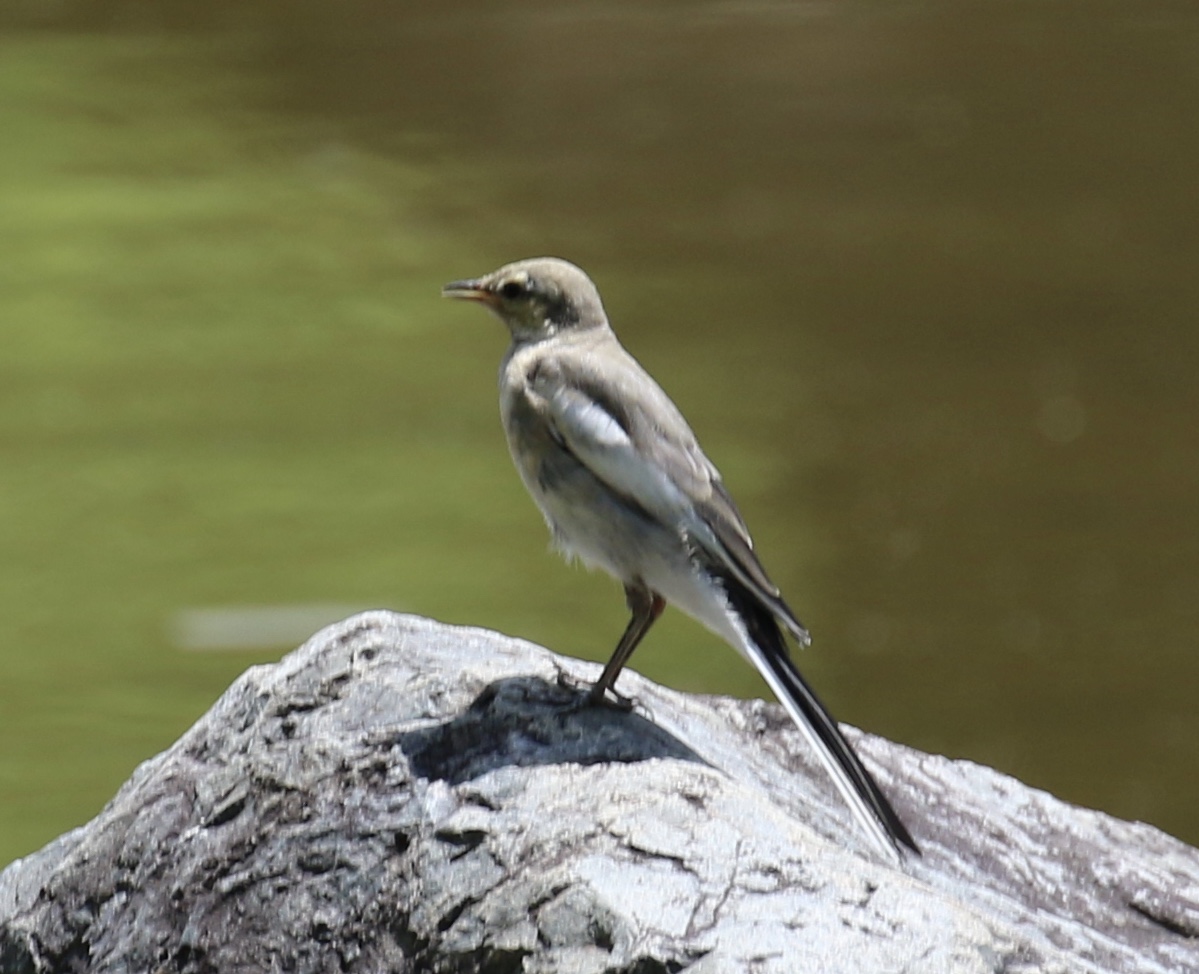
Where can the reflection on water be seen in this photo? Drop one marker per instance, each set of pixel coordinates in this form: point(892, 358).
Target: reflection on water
point(922, 282)
point(238, 627)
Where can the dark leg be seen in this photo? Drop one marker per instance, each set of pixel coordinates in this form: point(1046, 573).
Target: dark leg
point(646, 606)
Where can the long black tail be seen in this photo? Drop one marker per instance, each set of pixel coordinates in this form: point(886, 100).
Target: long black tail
point(855, 783)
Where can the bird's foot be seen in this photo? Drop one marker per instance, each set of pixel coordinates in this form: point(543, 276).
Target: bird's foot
point(598, 697)
point(593, 695)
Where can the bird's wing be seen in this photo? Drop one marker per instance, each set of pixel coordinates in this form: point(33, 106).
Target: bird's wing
point(610, 424)
point(625, 429)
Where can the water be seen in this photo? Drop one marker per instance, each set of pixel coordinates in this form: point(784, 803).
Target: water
point(921, 276)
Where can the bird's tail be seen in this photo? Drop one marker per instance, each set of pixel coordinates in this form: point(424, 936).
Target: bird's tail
point(768, 652)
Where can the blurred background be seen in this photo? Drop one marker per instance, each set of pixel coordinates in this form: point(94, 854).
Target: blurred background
point(923, 276)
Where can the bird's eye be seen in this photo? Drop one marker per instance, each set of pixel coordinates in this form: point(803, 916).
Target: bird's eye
point(511, 290)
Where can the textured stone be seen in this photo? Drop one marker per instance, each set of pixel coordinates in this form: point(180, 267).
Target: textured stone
point(400, 795)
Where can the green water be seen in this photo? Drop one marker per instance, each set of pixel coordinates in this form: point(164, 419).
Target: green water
point(925, 287)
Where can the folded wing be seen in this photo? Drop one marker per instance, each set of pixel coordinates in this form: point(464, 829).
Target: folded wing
point(625, 429)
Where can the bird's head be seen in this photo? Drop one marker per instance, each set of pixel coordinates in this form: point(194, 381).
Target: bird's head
point(536, 298)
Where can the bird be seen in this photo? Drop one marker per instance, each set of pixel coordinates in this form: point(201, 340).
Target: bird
point(624, 486)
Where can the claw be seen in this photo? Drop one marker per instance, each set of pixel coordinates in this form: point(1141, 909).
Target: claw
point(596, 697)
point(593, 695)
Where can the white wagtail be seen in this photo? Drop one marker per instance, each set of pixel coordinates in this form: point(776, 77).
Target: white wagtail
point(624, 486)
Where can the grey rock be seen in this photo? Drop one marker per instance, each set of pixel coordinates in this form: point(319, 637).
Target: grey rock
point(400, 795)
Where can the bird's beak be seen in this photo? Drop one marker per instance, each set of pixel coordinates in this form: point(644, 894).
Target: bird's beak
point(468, 291)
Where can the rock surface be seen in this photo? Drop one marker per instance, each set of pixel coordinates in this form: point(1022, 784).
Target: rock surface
point(400, 795)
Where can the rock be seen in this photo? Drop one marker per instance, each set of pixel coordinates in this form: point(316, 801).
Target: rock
point(400, 795)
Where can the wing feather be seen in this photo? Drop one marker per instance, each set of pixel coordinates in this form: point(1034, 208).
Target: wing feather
point(625, 429)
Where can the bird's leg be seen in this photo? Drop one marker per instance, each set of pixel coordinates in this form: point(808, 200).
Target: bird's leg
point(646, 606)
